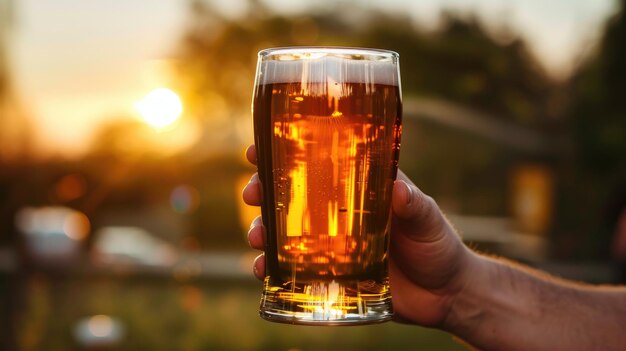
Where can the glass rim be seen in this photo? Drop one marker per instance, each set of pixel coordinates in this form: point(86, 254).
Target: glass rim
point(294, 53)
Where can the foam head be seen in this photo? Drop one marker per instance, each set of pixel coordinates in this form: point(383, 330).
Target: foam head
point(324, 65)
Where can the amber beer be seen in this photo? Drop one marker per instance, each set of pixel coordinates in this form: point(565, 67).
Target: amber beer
point(327, 124)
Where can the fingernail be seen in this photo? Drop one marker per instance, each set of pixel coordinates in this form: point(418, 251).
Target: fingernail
point(409, 196)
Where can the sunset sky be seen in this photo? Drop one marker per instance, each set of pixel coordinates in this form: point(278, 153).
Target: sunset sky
point(78, 63)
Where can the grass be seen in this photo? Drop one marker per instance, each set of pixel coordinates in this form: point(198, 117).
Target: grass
point(165, 314)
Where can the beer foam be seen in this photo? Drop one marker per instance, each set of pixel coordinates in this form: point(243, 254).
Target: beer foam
point(329, 68)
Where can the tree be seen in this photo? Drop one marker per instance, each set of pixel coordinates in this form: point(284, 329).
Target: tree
point(595, 177)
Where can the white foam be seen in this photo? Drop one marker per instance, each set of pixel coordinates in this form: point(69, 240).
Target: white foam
point(328, 68)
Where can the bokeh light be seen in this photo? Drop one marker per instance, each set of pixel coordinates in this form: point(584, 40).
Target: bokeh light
point(70, 187)
point(98, 332)
point(184, 199)
point(100, 325)
point(76, 226)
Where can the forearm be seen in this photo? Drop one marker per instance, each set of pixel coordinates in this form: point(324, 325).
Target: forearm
point(504, 306)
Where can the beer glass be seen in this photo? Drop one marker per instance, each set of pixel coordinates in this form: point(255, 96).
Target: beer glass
point(327, 125)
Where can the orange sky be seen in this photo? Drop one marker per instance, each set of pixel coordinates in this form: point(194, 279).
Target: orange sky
point(78, 63)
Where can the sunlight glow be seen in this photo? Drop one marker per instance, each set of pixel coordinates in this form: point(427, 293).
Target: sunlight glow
point(160, 108)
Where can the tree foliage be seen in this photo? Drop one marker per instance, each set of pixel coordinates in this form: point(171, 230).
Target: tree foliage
point(599, 109)
point(594, 180)
point(461, 61)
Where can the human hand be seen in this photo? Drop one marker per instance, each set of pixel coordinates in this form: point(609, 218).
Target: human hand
point(428, 263)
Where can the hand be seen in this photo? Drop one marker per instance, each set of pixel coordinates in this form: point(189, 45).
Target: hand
point(428, 266)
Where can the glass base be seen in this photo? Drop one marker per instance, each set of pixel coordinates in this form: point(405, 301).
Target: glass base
point(327, 302)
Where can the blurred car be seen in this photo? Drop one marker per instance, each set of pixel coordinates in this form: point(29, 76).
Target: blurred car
point(52, 235)
point(126, 245)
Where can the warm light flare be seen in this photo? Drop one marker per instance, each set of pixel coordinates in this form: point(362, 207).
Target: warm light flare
point(160, 108)
point(100, 325)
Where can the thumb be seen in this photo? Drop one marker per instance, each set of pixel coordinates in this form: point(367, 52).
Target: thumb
point(416, 214)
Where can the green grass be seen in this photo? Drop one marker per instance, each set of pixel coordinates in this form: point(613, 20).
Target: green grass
point(163, 314)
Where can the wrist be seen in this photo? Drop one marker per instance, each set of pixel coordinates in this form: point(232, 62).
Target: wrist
point(471, 277)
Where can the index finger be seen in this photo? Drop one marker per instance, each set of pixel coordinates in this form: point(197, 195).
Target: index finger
point(251, 154)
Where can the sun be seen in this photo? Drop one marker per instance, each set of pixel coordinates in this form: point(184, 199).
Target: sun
point(160, 108)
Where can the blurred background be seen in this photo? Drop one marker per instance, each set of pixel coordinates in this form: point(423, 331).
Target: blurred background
point(123, 126)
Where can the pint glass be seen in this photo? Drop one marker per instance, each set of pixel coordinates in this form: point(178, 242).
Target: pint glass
point(327, 125)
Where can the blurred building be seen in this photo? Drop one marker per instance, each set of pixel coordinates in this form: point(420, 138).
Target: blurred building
point(493, 178)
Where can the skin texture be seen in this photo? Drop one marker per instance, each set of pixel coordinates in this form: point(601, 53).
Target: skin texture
point(491, 303)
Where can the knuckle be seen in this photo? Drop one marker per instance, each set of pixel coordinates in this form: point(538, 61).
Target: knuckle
point(429, 201)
